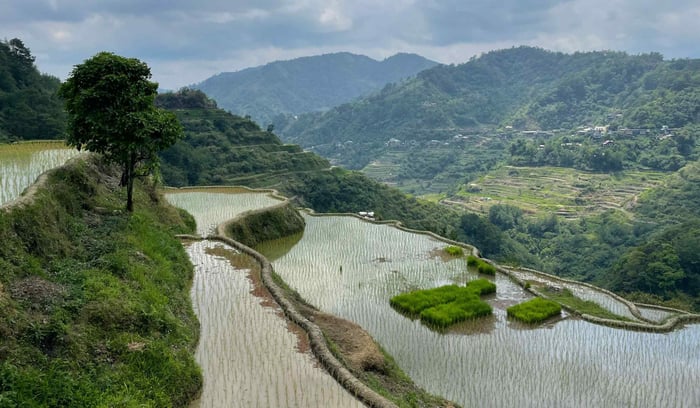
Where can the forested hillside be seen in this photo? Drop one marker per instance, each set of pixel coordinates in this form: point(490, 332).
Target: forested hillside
point(223, 149)
point(307, 84)
point(505, 93)
point(29, 107)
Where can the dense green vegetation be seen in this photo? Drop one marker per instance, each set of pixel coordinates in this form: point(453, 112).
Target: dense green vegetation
point(454, 250)
point(221, 148)
point(307, 84)
point(94, 302)
point(29, 106)
point(266, 225)
point(534, 310)
point(444, 306)
point(111, 111)
point(504, 92)
point(481, 265)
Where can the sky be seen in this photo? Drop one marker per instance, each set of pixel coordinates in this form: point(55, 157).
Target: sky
point(185, 41)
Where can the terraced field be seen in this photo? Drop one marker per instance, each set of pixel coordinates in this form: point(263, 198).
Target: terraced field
point(563, 191)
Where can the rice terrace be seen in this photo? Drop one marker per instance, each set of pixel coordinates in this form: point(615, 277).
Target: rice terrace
point(566, 192)
point(347, 266)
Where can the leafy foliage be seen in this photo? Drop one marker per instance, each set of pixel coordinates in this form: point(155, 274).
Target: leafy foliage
point(110, 107)
point(29, 106)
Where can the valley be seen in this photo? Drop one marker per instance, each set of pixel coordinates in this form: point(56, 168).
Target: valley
point(265, 274)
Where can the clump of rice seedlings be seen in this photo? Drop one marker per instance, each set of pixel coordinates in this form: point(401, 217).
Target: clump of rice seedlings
point(481, 265)
point(534, 310)
point(463, 308)
point(454, 250)
point(482, 286)
point(486, 268)
point(446, 305)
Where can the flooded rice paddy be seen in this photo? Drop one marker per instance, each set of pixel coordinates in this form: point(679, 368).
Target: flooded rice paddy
point(250, 355)
point(351, 268)
point(22, 163)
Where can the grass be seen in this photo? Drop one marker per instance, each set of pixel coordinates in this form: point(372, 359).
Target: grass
point(535, 310)
point(454, 250)
point(567, 298)
point(444, 306)
point(481, 265)
point(95, 301)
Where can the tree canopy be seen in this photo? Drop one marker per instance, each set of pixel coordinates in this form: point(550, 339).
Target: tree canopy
point(29, 106)
point(111, 110)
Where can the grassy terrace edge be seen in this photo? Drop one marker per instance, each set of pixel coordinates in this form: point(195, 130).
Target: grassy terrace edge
point(94, 302)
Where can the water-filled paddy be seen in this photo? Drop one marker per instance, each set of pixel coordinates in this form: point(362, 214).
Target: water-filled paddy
point(250, 356)
point(212, 206)
point(22, 163)
point(351, 268)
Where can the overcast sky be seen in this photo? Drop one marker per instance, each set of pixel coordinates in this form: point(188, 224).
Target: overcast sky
point(186, 41)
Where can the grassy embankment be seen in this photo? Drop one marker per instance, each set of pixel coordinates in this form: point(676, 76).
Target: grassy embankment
point(94, 302)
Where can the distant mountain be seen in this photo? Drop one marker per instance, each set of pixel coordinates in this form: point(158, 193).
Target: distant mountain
point(307, 84)
point(520, 88)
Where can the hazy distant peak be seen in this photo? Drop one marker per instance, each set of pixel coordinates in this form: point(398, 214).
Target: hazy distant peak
point(307, 84)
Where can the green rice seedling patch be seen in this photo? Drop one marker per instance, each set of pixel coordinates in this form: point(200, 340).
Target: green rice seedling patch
point(454, 250)
point(481, 265)
point(444, 306)
point(534, 310)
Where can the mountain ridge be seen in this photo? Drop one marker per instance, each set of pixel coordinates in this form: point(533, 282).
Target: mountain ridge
point(305, 84)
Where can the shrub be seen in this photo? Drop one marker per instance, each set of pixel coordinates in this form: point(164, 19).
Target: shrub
point(472, 260)
point(535, 310)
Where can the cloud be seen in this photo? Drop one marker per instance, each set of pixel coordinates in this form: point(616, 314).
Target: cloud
point(185, 41)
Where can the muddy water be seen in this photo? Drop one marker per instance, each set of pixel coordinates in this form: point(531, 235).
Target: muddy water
point(249, 354)
point(493, 362)
point(21, 164)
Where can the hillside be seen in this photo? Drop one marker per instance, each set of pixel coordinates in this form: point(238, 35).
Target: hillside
point(502, 94)
point(220, 148)
point(94, 302)
point(307, 84)
point(29, 106)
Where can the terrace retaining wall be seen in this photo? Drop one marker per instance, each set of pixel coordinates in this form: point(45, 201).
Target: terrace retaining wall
point(316, 337)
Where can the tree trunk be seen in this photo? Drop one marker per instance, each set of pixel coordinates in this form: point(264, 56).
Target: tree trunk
point(131, 167)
